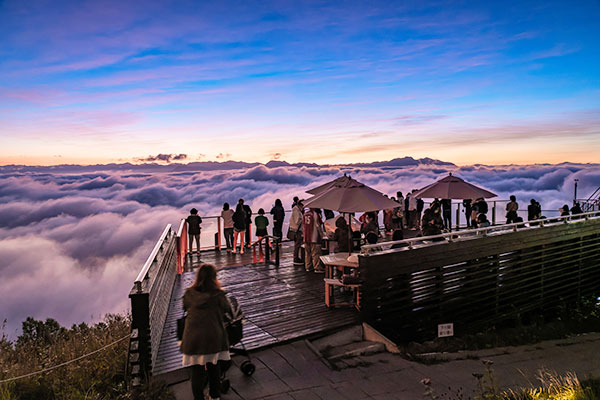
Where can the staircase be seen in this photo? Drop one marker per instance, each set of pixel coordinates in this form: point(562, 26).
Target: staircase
point(592, 203)
point(345, 348)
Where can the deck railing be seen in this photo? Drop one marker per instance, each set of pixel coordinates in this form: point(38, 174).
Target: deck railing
point(150, 297)
point(478, 278)
point(265, 256)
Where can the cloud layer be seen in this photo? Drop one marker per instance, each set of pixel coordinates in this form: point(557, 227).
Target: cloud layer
point(73, 239)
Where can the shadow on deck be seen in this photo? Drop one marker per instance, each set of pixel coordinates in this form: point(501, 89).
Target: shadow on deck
point(279, 303)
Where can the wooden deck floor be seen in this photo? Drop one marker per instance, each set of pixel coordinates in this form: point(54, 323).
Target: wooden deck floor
point(279, 303)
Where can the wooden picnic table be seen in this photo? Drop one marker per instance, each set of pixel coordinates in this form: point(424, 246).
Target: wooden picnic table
point(339, 261)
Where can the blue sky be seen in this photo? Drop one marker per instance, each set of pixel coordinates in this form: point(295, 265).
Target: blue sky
point(466, 82)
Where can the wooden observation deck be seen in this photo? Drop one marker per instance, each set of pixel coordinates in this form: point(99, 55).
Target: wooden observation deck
point(473, 278)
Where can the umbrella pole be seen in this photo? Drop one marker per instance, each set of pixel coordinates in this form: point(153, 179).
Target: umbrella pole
point(350, 241)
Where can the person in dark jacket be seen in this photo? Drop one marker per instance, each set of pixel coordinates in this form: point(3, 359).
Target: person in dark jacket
point(278, 214)
point(261, 222)
point(342, 236)
point(193, 220)
point(447, 213)
point(248, 211)
point(576, 209)
point(239, 226)
point(534, 210)
point(370, 224)
point(467, 206)
point(204, 342)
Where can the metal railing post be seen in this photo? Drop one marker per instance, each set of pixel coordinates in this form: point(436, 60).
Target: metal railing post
point(494, 213)
point(457, 216)
point(219, 232)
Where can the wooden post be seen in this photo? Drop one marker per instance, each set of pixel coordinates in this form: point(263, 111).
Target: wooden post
point(140, 320)
point(267, 251)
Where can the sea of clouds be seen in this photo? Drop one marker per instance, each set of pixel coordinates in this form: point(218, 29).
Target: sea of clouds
point(73, 239)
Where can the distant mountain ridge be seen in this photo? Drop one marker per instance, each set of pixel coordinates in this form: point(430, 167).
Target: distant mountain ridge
point(213, 166)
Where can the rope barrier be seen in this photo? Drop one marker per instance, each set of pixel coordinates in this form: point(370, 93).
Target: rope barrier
point(66, 362)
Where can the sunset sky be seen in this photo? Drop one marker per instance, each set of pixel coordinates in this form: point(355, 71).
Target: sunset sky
point(90, 82)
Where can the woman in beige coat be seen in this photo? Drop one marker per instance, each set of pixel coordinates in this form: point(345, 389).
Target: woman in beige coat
point(205, 340)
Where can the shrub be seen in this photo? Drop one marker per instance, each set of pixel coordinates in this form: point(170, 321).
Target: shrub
point(44, 344)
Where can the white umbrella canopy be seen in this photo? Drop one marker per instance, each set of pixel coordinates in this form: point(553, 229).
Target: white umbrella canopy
point(342, 180)
point(452, 187)
point(350, 196)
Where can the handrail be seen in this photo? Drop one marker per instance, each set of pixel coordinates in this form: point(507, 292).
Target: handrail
point(142, 275)
point(267, 249)
point(182, 243)
point(470, 233)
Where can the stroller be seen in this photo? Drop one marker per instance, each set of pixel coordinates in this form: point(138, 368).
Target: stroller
point(235, 333)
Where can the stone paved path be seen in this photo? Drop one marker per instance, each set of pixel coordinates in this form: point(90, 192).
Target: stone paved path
point(293, 372)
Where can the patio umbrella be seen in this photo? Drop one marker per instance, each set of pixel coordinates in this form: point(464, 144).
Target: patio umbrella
point(326, 186)
point(452, 187)
point(350, 196)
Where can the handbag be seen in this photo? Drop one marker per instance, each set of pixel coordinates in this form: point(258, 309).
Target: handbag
point(291, 234)
point(180, 327)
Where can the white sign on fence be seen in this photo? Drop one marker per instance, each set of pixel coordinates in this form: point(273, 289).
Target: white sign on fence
point(445, 330)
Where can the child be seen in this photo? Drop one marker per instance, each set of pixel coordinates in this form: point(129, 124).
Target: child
point(261, 223)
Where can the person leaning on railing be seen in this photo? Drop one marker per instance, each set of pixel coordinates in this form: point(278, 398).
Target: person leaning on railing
point(227, 215)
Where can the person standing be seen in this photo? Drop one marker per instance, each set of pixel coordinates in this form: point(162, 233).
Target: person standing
point(467, 205)
point(278, 214)
point(296, 230)
point(239, 227)
point(248, 211)
point(193, 220)
point(447, 213)
point(227, 215)
point(261, 223)
point(412, 209)
point(204, 342)
point(313, 235)
point(420, 206)
point(511, 210)
point(399, 216)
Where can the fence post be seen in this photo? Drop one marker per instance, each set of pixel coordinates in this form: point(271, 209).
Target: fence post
point(458, 216)
point(494, 213)
point(267, 251)
point(219, 232)
point(277, 245)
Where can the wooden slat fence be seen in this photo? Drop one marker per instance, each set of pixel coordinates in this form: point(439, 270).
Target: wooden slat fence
point(481, 281)
point(150, 297)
